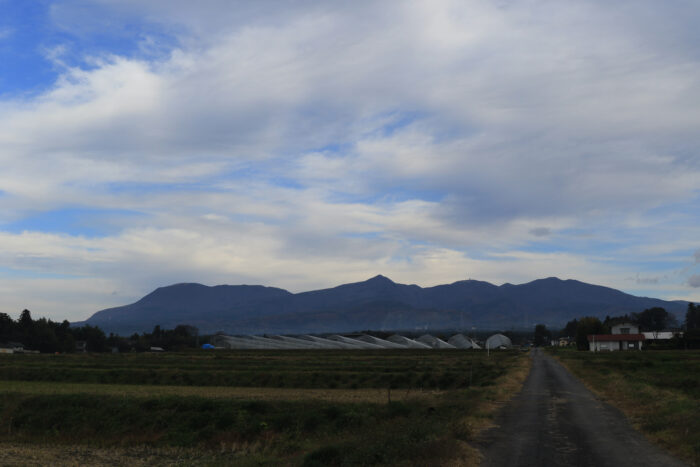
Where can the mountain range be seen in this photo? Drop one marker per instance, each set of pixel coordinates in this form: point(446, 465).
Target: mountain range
point(375, 304)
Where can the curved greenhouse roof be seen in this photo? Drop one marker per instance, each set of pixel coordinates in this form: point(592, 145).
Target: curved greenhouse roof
point(498, 340)
point(357, 343)
point(327, 343)
point(434, 342)
point(381, 342)
point(406, 342)
point(462, 342)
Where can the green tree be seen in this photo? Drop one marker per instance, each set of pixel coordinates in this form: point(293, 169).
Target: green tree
point(570, 328)
point(542, 335)
point(64, 334)
point(7, 327)
point(692, 317)
point(25, 321)
point(587, 326)
point(43, 338)
point(655, 319)
point(94, 337)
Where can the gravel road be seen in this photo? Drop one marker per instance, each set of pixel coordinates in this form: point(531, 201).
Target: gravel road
point(556, 421)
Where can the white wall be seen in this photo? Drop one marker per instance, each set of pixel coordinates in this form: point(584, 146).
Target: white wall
point(659, 335)
point(609, 346)
point(633, 328)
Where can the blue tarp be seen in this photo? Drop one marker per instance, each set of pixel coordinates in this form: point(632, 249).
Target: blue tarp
point(207, 346)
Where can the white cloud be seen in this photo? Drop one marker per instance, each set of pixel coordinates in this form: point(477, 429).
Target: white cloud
point(646, 280)
point(694, 280)
point(426, 140)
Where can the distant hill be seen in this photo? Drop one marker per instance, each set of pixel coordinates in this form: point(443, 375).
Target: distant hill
point(378, 304)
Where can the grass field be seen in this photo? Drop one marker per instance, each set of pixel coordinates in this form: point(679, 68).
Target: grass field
point(658, 390)
point(253, 407)
point(374, 395)
point(444, 369)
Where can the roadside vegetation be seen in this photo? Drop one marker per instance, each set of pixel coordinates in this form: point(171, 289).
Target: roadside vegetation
point(256, 407)
point(659, 391)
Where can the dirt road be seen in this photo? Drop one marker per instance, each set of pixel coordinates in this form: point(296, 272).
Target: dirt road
point(556, 421)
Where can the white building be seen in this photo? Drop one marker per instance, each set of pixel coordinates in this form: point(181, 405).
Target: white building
point(662, 335)
point(625, 336)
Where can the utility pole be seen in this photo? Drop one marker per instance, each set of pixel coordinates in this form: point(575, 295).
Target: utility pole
point(471, 366)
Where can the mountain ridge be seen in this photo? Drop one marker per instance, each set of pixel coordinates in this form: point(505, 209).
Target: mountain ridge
point(376, 303)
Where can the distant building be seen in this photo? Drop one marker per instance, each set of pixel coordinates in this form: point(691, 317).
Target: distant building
point(625, 336)
point(11, 347)
point(662, 335)
point(624, 327)
point(563, 342)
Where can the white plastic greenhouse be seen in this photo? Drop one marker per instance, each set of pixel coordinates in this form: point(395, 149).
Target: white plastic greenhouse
point(498, 341)
point(353, 342)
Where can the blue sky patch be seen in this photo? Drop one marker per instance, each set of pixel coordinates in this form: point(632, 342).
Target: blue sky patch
point(34, 48)
point(74, 221)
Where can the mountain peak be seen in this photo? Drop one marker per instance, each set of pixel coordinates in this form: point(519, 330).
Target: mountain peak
point(379, 279)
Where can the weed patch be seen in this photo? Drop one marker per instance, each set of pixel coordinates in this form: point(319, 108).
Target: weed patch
point(659, 391)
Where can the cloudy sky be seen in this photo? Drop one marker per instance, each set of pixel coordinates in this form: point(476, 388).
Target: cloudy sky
point(306, 144)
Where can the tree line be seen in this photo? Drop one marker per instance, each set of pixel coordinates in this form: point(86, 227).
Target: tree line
point(48, 336)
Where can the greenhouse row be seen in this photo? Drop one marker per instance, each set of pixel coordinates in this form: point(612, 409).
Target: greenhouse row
point(363, 341)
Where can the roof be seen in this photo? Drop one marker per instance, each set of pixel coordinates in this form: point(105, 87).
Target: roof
point(615, 337)
point(498, 340)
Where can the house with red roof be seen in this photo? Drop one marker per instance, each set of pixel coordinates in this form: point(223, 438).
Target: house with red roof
point(625, 336)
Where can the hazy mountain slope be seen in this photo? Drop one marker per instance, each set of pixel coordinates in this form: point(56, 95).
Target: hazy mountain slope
point(190, 304)
point(378, 303)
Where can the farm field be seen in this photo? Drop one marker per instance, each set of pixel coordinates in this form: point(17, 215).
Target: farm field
point(327, 369)
point(253, 407)
point(659, 391)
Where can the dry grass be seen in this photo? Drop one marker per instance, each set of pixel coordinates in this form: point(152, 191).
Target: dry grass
point(666, 417)
point(15, 454)
point(370, 395)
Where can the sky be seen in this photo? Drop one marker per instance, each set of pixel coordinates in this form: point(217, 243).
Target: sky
point(304, 144)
